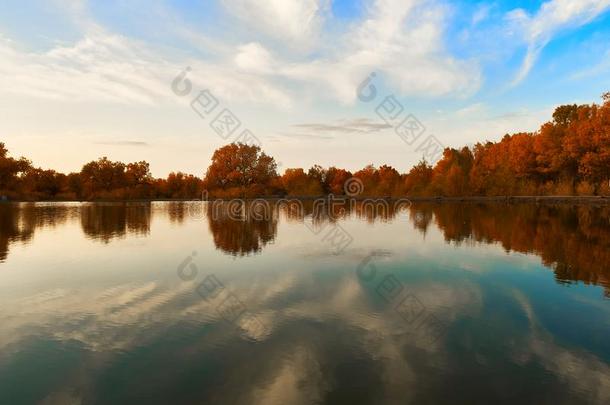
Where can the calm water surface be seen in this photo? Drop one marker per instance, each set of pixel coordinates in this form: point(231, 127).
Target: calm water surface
point(172, 303)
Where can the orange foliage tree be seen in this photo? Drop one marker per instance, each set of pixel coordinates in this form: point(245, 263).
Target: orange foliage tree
point(240, 170)
point(566, 156)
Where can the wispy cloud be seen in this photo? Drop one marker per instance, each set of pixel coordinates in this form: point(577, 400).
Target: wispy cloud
point(360, 125)
point(123, 143)
point(481, 14)
point(261, 68)
point(301, 135)
point(552, 17)
point(510, 115)
point(100, 67)
point(293, 21)
point(401, 39)
point(110, 77)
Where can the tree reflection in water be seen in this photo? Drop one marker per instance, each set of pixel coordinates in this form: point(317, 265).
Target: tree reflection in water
point(104, 222)
point(572, 240)
point(18, 222)
point(239, 228)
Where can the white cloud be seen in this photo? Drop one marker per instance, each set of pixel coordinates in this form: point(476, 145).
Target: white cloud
point(581, 370)
point(287, 20)
point(553, 16)
point(405, 40)
point(472, 110)
point(255, 58)
point(481, 14)
point(401, 39)
point(101, 67)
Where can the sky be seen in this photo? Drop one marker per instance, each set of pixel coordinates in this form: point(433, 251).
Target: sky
point(81, 79)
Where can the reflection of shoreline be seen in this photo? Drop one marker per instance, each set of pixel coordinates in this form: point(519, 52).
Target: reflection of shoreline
point(240, 237)
point(102, 222)
point(519, 199)
point(570, 199)
point(107, 221)
point(18, 222)
point(573, 240)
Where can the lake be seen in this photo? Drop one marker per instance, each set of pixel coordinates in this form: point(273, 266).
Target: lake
point(213, 303)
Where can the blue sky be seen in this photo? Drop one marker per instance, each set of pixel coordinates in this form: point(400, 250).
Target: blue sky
point(82, 79)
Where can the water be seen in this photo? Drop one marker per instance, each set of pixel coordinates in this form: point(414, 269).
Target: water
point(170, 303)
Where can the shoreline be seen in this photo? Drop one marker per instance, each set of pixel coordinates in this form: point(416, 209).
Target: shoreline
point(603, 200)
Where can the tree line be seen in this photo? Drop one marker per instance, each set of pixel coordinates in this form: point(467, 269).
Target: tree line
point(100, 179)
point(569, 155)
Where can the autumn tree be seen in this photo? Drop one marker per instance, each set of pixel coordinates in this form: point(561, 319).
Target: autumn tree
point(389, 182)
point(369, 177)
point(565, 114)
point(418, 179)
point(179, 185)
point(451, 174)
point(10, 171)
point(74, 186)
point(568, 155)
point(104, 178)
point(335, 180)
point(43, 183)
point(238, 169)
point(102, 175)
point(317, 174)
point(298, 183)
point(587, 144)
point(137, 173)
